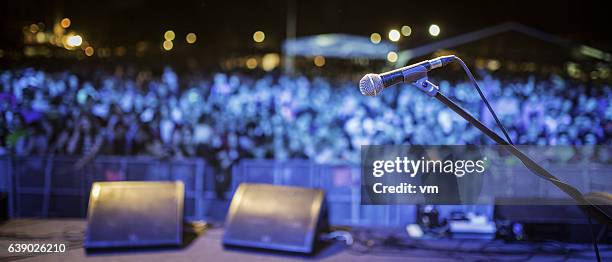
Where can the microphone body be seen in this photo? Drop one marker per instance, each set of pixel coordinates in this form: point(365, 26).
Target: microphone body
point(373, 84)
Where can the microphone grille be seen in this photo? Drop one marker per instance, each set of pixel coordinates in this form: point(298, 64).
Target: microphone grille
point(371, 85)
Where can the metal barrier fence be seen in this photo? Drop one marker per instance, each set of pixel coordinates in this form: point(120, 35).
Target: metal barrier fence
point(340, 182)
point(50, 186)
point(6, 182)
point(342, 186)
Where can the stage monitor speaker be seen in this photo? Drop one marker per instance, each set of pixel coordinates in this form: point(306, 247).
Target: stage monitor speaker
point(275, 217)
point(135, 214)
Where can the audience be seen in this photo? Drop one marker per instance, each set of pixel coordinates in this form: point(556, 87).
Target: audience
point(230, 116)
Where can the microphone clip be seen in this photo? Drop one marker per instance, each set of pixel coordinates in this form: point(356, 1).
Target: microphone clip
point(424, 85)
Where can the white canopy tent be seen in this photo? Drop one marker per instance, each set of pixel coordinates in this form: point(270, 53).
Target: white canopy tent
point(337, 46)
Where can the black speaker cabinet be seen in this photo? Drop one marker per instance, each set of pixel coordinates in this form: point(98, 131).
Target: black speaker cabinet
point(275, 217)
point(135, 214)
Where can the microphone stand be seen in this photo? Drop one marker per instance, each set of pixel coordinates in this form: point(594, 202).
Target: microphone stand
point(588, 207)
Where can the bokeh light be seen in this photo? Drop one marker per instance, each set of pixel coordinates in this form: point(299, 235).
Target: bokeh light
point(34, 28)
point(434, 30)
point(168, 45)
point(169, 35)
point(41, 37)
point(251, 63)
point(394, 35)
point(89, 51)
point(120, 51)
point(406, 30)
point(375, 38)
point(74, 40)
point(270, 61)
point(319, 61)
point(65, 23)
point(493, 64)
point(191, 38)
point(392, 57)
point(259, 36)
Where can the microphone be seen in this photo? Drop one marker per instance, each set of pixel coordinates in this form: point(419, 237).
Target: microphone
point(373, 84)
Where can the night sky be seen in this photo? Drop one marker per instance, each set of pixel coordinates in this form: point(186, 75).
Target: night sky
point(227, 26)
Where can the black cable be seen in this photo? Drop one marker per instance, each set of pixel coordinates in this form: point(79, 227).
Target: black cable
point(484, 99)
point(594, 240)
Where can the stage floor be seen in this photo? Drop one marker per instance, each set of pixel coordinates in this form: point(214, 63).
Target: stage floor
point(207, 247)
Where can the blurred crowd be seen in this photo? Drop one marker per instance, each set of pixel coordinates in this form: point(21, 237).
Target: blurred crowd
point(229, 115)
